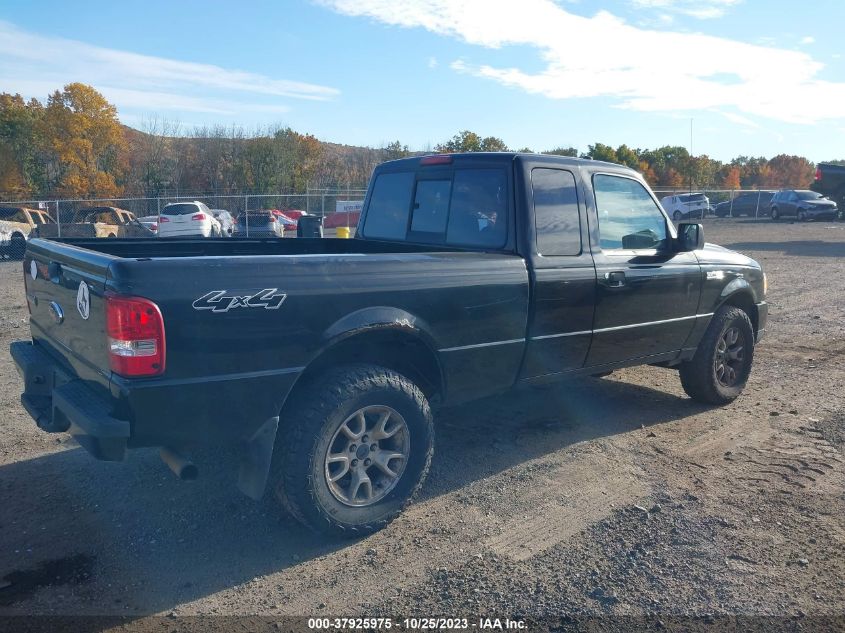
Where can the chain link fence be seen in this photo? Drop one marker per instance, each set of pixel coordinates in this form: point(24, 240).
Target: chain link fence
point(320, 202)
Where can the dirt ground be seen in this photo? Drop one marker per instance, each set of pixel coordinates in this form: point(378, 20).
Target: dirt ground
point(615, 496)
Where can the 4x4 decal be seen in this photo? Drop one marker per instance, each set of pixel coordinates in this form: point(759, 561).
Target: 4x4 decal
point(220, 301)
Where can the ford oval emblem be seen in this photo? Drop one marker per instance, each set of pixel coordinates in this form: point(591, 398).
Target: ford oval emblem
point(83, 300)
point(56, 312)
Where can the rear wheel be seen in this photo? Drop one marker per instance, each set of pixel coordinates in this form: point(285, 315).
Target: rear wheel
point(722, 363)
point(353, 449)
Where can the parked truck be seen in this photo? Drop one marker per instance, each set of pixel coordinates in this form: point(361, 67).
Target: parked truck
point(468, 275)
point(17, 224)
point(830, 181)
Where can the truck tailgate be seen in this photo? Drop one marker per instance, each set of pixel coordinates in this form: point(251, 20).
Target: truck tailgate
point(64, 290)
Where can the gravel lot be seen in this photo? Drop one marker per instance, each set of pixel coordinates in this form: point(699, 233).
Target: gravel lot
point(614, 496)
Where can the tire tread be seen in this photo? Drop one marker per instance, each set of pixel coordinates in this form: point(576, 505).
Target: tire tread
point(305, 415)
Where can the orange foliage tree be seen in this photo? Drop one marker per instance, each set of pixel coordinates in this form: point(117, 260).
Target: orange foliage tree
point(85, 143)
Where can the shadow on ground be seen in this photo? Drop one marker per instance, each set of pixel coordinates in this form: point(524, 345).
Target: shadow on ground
point(800, 248)
point(151, 543)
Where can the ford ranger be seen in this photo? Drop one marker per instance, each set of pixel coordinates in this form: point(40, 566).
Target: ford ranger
point(468, 275)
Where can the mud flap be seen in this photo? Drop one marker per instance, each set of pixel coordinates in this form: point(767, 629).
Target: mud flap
point(255, 460)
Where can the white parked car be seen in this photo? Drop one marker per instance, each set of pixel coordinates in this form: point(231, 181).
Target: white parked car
point(151, 222)
point(187, 219)
point(686, 206)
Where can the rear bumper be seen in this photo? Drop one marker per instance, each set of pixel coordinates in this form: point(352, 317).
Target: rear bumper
point(59, 402)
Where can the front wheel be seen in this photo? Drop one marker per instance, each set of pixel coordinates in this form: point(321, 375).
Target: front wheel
point(775, 214)
point(718, 371)
point(353, 448)
point(802, 217)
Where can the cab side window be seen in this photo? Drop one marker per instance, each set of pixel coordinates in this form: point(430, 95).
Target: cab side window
point(556, 219)
point(629, 218)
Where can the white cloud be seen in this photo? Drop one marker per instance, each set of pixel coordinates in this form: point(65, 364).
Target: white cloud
point(603, 56)
point(701, 9)
point(432, 62)
point(733, 117)
point(35, 65)
point(809, 39)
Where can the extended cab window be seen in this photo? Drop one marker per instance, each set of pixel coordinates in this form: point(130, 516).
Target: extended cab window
point(387, 215)
point(556, 212)
point(628, 217)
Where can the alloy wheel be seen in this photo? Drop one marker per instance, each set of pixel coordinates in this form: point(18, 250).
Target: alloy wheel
point(367, 455)
point(730, 357)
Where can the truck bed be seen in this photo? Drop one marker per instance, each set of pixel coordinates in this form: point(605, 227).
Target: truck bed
point(470, 307)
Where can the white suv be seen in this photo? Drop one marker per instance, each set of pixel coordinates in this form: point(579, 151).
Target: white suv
point(685, 206)
point(187, 219)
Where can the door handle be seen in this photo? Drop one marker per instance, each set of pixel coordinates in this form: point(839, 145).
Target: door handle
point(615, 279)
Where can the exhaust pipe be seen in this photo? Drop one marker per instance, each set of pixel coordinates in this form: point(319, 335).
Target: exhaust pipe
point(181, 466)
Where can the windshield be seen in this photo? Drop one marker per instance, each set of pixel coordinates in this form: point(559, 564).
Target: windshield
point(12, 215)
point(808, 195)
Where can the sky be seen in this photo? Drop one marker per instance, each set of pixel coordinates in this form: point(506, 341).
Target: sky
point(728, 77)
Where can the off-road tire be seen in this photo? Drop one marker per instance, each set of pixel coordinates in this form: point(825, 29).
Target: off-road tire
point(698, 375)
point(309, 422)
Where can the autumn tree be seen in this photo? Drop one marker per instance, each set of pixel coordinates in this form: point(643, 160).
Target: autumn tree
point(468, 141)
point(626, 156)
point(155, 157)
point(728, 177)
point(85, 141)
point(21, 167)
point(395, 150)
point(791, 171)
point(563, 151)
point(600, 151)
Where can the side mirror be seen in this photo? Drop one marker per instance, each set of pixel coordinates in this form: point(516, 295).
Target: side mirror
point(690, 237)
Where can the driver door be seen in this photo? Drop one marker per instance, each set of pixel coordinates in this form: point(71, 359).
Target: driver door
point(646, 294)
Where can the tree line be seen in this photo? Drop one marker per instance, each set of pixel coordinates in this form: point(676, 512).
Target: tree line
point(74, 146)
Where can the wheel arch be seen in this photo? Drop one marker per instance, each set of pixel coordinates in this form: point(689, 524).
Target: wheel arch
point(741, 296)
point(389, 337)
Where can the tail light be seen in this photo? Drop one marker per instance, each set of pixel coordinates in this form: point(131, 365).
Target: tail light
point(198, 216)
point(163, 219)
point(154, 227)
point(135, 330)
point(272, 218)
point(818, 174)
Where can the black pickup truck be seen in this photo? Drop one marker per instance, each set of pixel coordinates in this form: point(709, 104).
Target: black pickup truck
point(830, 182)
point(321, 359)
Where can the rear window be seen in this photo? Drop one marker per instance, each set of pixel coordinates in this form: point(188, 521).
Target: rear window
point(466, 208)
point(387, 215)
point(179, 208)
point(431, 206)
point(695, 197)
